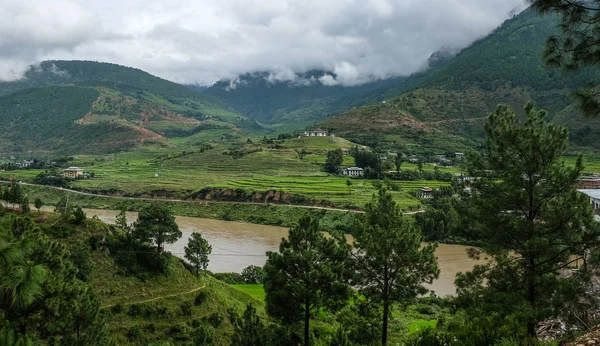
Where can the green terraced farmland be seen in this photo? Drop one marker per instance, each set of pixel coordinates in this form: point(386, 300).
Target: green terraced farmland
point(327, 188)
point(293, 166)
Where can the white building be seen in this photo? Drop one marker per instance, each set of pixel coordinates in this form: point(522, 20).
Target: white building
point(314, 133)
point(594, 195)
point(353, 172)
point(459, 156)
point(425, 192)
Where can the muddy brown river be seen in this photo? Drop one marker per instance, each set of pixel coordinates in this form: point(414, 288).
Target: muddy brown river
point(236, 245)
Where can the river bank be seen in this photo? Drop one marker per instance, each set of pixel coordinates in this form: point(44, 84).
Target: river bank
point(237, 245)
point(264, 214)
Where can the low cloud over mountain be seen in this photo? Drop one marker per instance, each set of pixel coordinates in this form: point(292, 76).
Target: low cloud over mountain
point(206, 40)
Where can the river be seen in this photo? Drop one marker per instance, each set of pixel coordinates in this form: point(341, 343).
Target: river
point(236, 245)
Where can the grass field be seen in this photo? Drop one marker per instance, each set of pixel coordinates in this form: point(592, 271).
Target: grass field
point(254, 290)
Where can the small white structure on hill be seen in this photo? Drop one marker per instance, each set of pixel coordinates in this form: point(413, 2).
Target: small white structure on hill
point(353, 172)
point(425, 192)
point(72, 172)
point(314, 133)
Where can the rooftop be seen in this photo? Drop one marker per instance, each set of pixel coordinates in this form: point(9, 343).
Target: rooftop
point(593, 193)
point(73, 168)
point(354, 169)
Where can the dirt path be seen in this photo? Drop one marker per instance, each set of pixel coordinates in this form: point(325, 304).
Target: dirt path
point(199, 202)
point(156, 298)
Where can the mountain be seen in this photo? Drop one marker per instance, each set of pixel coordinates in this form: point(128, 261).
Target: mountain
point(447, 108)
point(305, 99)
point(88, 107)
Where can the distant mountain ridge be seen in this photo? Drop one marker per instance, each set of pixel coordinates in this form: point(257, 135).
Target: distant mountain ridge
point(448, 107)
point(90, 107)
point(263, 97)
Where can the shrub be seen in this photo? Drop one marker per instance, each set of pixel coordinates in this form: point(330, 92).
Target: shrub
point(186, 308)
point(215, 319)
point(200, 298)
point(203, 335)
point(117, 309)
point(134, 310)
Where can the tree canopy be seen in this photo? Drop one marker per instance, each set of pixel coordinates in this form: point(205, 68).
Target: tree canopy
point(533, 220)
point(156, 224)
point(390, 263)
point(579, 45)
point(307, 273)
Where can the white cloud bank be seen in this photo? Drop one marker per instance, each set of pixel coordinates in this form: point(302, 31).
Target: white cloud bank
point(201, 41)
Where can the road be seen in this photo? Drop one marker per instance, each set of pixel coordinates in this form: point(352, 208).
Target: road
point(156, 298)
point(199, 202)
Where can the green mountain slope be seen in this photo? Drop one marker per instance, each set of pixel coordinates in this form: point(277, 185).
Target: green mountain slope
point(449, 106)
point(74, 107)
point(307, 100)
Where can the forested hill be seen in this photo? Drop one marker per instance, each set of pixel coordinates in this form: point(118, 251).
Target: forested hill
point(88, 107)
point(305, 100)
point(449, 106)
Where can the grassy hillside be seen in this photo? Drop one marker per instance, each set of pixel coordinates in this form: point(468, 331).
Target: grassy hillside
point(141, 304)
point(449, 106)
point(165, 307)
point(72, 107)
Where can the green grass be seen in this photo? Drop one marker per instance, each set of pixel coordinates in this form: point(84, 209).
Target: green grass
point(254, 290)
point(420, 325)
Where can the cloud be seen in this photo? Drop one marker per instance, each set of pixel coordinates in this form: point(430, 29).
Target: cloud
point(31, 29)
point(202, 41)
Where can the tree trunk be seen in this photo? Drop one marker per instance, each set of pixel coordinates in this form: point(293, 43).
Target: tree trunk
point(531, 295)
point(306, 324)
point(384, 327)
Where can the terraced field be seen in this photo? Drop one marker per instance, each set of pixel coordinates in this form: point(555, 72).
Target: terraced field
point(294, 166)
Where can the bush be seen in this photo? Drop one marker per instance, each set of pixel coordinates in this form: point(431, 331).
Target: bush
point(215, 319)
point(117, 309)
point(79, 216)
point(203, 335)
point(252, 274)
point(186, 308)
point(201, 298)
point(134, 310)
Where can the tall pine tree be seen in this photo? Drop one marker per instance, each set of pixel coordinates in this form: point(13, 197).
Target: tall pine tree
point(390, 263)
point(306, 274)
point(525, 205)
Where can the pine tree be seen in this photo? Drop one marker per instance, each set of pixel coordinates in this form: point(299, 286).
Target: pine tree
point(334, 161)
point(197, 251)
point(25, 209)
point(579, 45)
point(532, 218)
point(156, 224)
point(306, 274)
point(38, 204)
point(249, 330)
point(390, 263)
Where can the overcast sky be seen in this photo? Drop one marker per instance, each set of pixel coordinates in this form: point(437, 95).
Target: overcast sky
point(201, 41)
